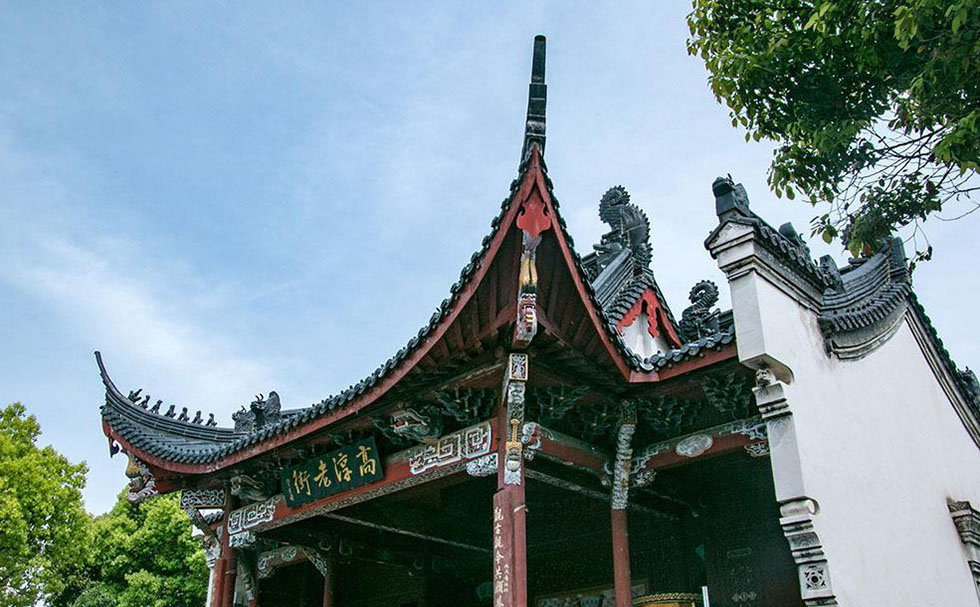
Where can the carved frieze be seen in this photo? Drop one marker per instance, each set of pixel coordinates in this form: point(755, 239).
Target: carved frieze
point(202, 498)
point(482, 466)
point(252, 515)
point(466, 444)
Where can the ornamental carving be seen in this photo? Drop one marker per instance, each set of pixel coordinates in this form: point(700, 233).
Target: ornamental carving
point(730, 394)
point(269, 560)
point(250, 488)
point(807, 550)
point(550, 405)
point(465, 444)
point(417, 424)
point(693, 446)
point(142, 484)
point(261, 412)
point(482, 466)
point(629, 228)
point(670, 416)
point(468, 405)
point(700, 319)
point(513, 446)
point(760, 449)
point(967, 521)
point(252, 516)
point(202, 498)
point(240, 541)
point(624, 451)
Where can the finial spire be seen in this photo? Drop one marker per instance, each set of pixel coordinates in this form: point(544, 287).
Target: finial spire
point(537, 99)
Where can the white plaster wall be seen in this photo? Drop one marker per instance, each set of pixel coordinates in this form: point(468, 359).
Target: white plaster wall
point(638, 339)
point(881, 449)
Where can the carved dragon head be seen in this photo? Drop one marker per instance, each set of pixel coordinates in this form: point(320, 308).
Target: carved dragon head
point(629, 226)
point(418, 426)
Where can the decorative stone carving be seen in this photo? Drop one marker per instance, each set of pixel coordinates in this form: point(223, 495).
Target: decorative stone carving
point(202, 498)
point(700, 319)
point(250, 489)
point(730, 394)
point(420, 425)
point(730, 198)
point(517, 367)
point(624, 451)
point(764, 377)
point(513, 447)
point(466, 444)
point(244, 539)
point(667, 415)
point(693, 446)
point(630, 228)
point(805, 546)
point(261, 412)
point(253, 515)
point(550, 405)
point(468, 405)
point(482, 466)
point(760, 449)
point(142, 484)
point(967, 521)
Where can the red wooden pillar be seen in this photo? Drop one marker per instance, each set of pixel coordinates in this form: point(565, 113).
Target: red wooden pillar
point(217, 577)
point(328, 587)
point(509, 506)
point(226, 570)
point(621, 559)
point(230, 578)
point(619, 502)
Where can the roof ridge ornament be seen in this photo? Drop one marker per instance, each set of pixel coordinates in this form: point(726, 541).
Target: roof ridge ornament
point(630, 228)
point(537, 101)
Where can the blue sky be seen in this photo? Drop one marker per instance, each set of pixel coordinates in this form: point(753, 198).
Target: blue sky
point(227, 202)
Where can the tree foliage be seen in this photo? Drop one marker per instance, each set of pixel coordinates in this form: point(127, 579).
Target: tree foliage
point(874, 104)
point(43, 524)
point(144, 556)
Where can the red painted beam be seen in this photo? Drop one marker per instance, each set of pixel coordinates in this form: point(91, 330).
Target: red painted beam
point(568, 450)
point(699, 445)
point(402, 470)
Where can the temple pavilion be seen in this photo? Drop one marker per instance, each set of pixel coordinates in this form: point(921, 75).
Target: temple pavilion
point(557, 436)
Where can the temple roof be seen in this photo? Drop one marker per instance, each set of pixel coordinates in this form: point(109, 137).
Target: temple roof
point(603, 294)
point(187, 443)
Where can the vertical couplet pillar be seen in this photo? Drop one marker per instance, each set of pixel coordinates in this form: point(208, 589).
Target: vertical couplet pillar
point(509, 508)
point(226, 571)
point(621, 559)
point(328, 586)
point(619, 501)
